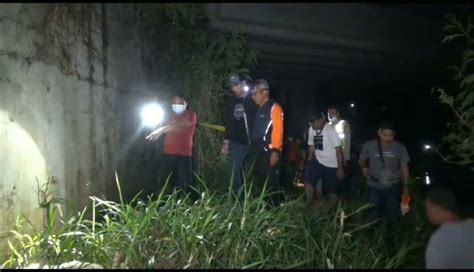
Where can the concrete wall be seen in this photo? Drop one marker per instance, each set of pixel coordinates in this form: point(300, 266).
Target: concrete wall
point(60, 99)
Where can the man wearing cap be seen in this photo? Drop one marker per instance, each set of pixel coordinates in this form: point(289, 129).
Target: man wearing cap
point(240, 118)
point(267, 138)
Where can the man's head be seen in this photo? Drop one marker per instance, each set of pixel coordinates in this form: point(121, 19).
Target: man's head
point(261, 92)
point(334, 114)
point(386, 132)
point(441, 206)
point(239, 84)
point(236, 85)
point(317, 122)
point(180, 103)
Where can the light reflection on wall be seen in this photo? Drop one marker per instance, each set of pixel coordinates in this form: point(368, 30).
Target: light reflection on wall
point(21, 163)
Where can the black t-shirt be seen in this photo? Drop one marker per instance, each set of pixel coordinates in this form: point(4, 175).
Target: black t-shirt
point(237, 108)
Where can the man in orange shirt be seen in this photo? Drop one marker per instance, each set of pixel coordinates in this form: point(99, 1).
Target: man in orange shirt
point(267, 138)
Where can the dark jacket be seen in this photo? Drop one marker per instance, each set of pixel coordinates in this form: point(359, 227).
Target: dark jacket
point(240, 118)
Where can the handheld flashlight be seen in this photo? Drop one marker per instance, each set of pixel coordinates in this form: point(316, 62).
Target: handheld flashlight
point(152, 115)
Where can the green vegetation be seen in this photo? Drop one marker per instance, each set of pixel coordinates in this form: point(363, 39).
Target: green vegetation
point(216, 231)
point(460, 140)
point(180, 48)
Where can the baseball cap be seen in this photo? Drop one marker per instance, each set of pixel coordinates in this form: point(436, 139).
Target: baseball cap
point(261, 84)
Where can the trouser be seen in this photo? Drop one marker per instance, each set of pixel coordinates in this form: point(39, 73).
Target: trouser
point(347, 187)
point(289, 174)
point(180, 168)
point(238, 153)
point(315, 171)
point(386, 204)
point(265, 173)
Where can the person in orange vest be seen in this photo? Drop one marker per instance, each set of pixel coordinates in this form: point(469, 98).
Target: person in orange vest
point(267, 139)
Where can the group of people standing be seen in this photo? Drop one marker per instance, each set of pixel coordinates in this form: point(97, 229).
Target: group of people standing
point(254, 135)
point(254, 132)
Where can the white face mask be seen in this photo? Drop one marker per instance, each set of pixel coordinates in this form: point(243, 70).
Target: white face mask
point(179, 108)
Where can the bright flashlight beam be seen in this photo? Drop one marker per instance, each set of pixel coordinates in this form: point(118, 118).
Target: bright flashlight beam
point(427, 179)
point(152, 115)
point(426, 147)
point(246, 88)
point(352, 105)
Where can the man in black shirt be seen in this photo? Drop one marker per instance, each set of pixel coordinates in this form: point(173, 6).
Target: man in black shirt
point(240, 118)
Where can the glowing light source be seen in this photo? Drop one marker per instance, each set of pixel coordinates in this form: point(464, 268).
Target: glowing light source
point(246, 88)
point(21, 165)
point(152, 115)
point(352, 105)
point(426, 147)
point(427, 179)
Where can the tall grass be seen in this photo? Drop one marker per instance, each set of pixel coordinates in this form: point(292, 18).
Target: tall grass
point(215, 231)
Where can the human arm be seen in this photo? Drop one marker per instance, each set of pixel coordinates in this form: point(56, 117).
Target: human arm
point(347, 142)
point(363, 157)
point(172, 127)
point(228, 119)
point(310, 154)
point(340, 163)
point(337, 144)
point(404, 160)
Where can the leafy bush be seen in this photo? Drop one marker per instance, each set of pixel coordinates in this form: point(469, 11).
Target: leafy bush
point(460, 140)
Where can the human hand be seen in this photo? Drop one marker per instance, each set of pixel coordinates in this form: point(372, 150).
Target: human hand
point(225, 149)
point(274, 159)
point(365, 172)
point(340, 173)
point(155, 135)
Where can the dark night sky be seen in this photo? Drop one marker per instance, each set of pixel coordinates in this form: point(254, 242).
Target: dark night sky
point(374, 55)
point(404, 91)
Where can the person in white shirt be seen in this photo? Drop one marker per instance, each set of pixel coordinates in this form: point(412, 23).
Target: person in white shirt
point(325, 159)
point(346, 186)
